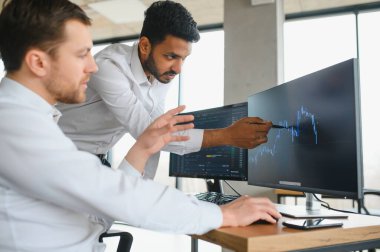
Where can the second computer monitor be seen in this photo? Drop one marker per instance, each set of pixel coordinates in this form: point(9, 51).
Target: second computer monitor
point(223, 162)
point(319, 150)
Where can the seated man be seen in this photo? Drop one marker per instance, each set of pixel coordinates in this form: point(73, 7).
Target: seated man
point(54, 197)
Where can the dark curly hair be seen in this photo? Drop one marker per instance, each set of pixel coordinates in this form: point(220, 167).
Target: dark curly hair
point(164, 18)
point(25, 24)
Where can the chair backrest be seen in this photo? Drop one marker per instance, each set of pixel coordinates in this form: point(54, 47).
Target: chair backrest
point(125, 242)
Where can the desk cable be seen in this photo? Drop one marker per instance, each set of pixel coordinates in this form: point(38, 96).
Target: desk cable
point(326, 205)
point(232, 188)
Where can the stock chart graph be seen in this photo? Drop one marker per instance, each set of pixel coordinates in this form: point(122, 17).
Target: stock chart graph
point(304, 121)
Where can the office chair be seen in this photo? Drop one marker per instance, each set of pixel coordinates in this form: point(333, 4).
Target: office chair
point(125, 242)
point(126, 239)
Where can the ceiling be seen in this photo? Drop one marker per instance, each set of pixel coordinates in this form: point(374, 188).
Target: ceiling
point(123, 18)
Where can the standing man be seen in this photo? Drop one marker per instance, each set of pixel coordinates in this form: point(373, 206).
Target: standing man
point(54, 197)
point(129, 90)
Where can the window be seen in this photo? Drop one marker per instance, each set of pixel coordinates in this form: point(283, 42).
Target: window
point(2, 73)
point(312, 44)
point(369, 51)
point(202, 78)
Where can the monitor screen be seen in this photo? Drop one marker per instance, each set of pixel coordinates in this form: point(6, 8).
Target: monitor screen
point(223, 162)
point(319, 150)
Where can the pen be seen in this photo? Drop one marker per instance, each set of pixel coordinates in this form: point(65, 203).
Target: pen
point(279, 126)
point(273, 126)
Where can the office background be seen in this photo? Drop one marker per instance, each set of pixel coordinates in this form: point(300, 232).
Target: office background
point(246, 48)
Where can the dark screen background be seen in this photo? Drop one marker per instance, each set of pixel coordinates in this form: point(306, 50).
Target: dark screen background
point(217, 162)
point(318, 152)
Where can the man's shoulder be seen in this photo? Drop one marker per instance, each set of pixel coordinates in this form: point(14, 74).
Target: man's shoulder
point(22, 115)
point(114, 50)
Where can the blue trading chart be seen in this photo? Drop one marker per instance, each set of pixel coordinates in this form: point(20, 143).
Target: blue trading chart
point(294, 131)
point(319, 145)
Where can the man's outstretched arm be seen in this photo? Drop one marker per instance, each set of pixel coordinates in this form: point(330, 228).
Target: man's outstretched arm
point(247, 133)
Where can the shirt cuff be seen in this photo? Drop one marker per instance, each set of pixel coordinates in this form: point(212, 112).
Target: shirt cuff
point(211, 216)
point(194, 144)
point(128, 169)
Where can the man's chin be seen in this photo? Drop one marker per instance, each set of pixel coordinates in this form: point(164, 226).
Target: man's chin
point(74, 100)
point(165, 79)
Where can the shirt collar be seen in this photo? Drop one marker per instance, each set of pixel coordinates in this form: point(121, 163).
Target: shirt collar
point(137, 68)
point(29, 98)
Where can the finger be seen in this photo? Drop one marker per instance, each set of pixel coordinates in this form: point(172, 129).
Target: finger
point(175, 138)
point(264, 127)
point(253, 120)
point(260, 134)
point(182, 127)
point(162, 130)
point(271, 214)
point(176, 110)
point(267, 206)
point(259, 127)
point(260, 140)
point(163, 119)
point(181, 119)
point(269, 218)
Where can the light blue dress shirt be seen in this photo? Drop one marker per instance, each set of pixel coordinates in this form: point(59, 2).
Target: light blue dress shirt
point(120, 100)
point(56, 198)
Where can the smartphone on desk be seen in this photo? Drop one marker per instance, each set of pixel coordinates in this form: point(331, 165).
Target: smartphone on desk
point(306, 224)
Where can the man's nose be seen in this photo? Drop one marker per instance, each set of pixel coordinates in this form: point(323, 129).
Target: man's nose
point(177, 66)
point(92, 67)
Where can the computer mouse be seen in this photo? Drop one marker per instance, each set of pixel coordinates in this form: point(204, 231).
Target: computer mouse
point(263, 222)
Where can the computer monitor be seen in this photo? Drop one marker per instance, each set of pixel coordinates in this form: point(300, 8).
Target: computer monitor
point(217, 163)
point(320, 150)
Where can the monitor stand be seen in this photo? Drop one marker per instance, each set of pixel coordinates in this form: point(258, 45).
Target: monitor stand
point(312, 209)
point(214, 185)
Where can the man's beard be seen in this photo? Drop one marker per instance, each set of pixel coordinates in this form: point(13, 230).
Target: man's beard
point(151, 66)
point(65, 96)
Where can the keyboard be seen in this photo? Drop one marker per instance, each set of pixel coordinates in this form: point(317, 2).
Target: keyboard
point(216, 198)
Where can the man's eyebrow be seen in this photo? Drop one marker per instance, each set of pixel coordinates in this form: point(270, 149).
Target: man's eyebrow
point(174, 55)
point(85, 49)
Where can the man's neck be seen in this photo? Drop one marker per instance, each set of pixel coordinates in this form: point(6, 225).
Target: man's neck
point(33, 84)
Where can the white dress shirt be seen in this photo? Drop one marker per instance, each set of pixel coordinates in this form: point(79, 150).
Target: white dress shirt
point(54, 197)
point(120, 100)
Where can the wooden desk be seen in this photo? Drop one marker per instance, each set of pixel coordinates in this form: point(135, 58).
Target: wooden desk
point(284, 193)
point(358, 232)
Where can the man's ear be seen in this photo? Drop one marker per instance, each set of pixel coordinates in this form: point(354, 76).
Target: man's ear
point(145, 46)
point(37, 62)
